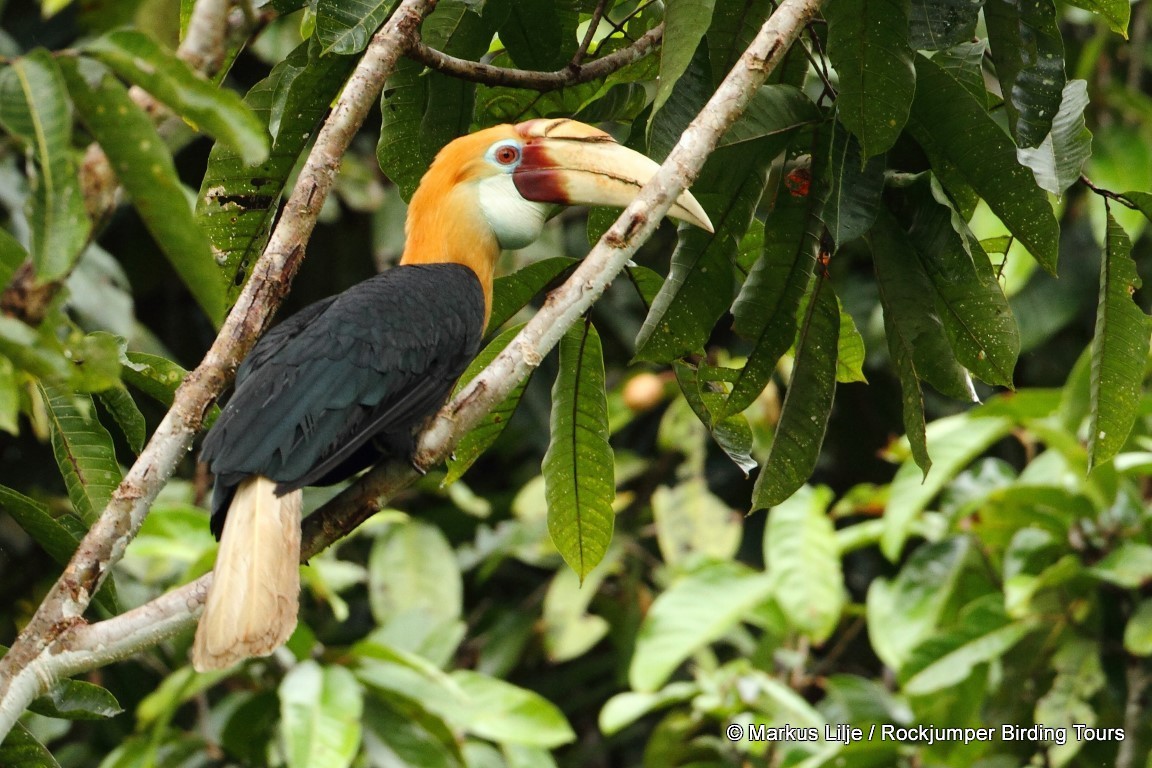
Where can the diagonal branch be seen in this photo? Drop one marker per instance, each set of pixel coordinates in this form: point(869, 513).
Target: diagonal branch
point(23, 673)
point(87, 646)
point(573, 74)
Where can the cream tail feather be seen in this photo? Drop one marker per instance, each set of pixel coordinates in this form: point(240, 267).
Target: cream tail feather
point(255, 592)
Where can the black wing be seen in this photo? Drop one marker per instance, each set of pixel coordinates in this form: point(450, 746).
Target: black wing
point(325, 393)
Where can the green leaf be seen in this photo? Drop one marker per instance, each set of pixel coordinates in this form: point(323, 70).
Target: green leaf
point(1142, 201)
point(59, 536)
point(705, 395)
point(802, 558)
point(346, 27)
point(9, 397)
point(83, 450)
point(1059, 159)
point(956, 442)
point(961, 138)
point(975, 314)
point(506, 713)
point(127, 416)
point(1029, 53)
point(853, 188)
point(77, 700)
point(320, 709)
point(984, 634)
point(478, 439)
point(220, 113)
point(1138, 630)
point(1119, 350)
point(700, 280)
point(1128, 566)
point(412, 571)
point(773, 110)
point(39, 354)
point(579, 478)
point(511, 293)
point(407, 738)
point(765, 309)
point(690, 520)
point(919, 347)
point(734, 25)
point(540, 35)
point(868, 46)
point(850, 351)
point(12, 255)
point(34, 108)
point(20, 749)
point(145, 169)
point(905, 611)
point(623, 709)
point(685, 23)
point(159, 378)
point(237, 203)
point(937, 24)
point(1116, 12)
point(808, 404)
point(694, 611)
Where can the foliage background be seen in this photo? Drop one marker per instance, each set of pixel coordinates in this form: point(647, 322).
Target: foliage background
point(1008, 586)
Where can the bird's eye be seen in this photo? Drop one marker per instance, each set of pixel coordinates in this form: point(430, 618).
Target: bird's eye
point(507, 154)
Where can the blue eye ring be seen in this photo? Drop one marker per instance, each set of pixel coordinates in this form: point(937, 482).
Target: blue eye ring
point(505, 153)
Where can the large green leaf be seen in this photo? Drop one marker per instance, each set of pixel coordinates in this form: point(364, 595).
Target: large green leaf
point(802, 559)
point(412, 571)
point(938, 24)
point(478, 439)
point(765, 309)
point(123, 409)
point(38, 352)
point(320, 710)
point(854, 185)
point(409, 738)
point(1029, 53)
point(504, 712)
point(984, 634)
point(868, 46)
point(83, 449)
point(956, 442)
point(700, 283)
point(1058, 160)
point(220, 113)
point(1116, 12)
point(58, 535)
point(773, 110)
point(960, 137)
point(12, 255)
point(237, 203)
point(694, 611)
point(20, 749)
point(685, 23)
point(976, 316)
point(511, 292)
point(422, 111)
point(146, 171)
point(911, 320)
point(540, 35)
point(804, 417)
point(579, 480)
point(346, 26)
point(734, 25)
point(704, 393)
point(904, 611)
point(1119, 350)
point(77, 700)
point(34, 108)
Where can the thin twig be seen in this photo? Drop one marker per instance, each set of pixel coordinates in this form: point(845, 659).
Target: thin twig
point(573, 74)
point(1108, 194)
point(32, 665)
point(590, 35)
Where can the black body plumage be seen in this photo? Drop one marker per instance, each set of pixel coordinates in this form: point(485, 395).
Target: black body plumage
point(346, 381)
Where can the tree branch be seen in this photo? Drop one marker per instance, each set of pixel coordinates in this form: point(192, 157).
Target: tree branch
point(76, 647)
point(29, 667)
point(573, 74)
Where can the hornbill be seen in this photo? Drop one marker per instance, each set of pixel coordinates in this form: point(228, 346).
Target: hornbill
point(350, 379)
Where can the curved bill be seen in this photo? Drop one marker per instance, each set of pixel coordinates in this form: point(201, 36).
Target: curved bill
point(570, 163)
